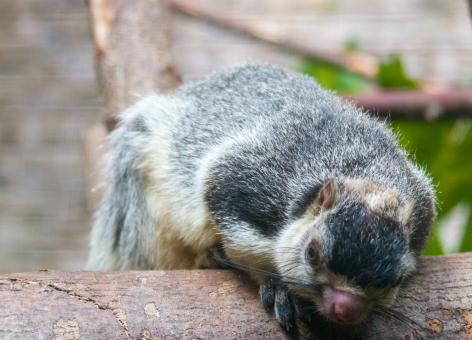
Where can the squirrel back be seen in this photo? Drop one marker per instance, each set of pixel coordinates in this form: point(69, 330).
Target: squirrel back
point(274, 137)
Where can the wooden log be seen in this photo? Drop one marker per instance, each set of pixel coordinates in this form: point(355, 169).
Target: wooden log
point(215, 304)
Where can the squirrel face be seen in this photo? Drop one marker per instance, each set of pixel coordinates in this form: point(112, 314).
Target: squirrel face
point(354, 250)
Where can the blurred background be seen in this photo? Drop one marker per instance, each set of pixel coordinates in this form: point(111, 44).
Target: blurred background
point(49, 98)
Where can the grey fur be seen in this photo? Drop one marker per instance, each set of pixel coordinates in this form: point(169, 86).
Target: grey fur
point(248, 150)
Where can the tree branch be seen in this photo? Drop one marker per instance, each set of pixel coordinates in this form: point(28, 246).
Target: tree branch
point(215, 304)
point(356, 62)
point(412, 105)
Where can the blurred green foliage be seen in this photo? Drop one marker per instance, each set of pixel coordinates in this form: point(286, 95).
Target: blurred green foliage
point(444, 149)
point(332, 77)
point(391, 74)
point(351, 45)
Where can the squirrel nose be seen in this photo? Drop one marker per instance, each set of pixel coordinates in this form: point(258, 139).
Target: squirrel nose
point(343, 306)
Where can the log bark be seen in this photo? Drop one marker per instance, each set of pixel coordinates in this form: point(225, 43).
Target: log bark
point(133, 52)
point(215, 304)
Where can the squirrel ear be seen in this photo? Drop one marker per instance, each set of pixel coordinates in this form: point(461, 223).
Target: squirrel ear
point(406, 213)
point(327, 194)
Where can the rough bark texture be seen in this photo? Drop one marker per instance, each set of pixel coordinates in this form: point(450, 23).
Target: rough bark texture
point(132, 43)
point(214, 304)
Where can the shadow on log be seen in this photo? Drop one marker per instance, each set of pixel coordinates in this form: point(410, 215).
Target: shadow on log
point(215, 304)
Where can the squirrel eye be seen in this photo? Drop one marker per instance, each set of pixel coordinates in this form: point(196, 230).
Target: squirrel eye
point(312, 256)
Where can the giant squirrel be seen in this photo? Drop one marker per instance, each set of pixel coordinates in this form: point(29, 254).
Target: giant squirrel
point(262, 169)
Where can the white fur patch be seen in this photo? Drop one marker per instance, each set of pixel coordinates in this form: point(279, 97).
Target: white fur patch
point(183, 228)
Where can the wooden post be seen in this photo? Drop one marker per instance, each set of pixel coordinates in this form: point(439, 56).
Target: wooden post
point(133, 52)
point(216, 304)
point(133, 58)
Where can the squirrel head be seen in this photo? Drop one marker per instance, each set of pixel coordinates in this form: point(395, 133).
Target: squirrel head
point(352, 246)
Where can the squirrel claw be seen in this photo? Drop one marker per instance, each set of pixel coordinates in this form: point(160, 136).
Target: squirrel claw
point(277, 295)
point(283, 307)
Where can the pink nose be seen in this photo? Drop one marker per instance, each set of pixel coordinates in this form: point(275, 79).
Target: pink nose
point(342, 306)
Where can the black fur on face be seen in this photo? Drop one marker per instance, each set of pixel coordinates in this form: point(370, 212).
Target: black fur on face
point(308, 197)
point(366, 248)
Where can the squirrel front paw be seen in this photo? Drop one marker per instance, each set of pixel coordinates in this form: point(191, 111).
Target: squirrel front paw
point(274, 293)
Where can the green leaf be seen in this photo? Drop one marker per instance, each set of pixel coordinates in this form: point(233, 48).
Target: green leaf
point(391, 74)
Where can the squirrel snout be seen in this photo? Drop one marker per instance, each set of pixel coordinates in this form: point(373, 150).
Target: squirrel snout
point(343, 306)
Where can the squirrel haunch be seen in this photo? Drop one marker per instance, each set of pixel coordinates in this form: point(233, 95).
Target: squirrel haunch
point(309, 195)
